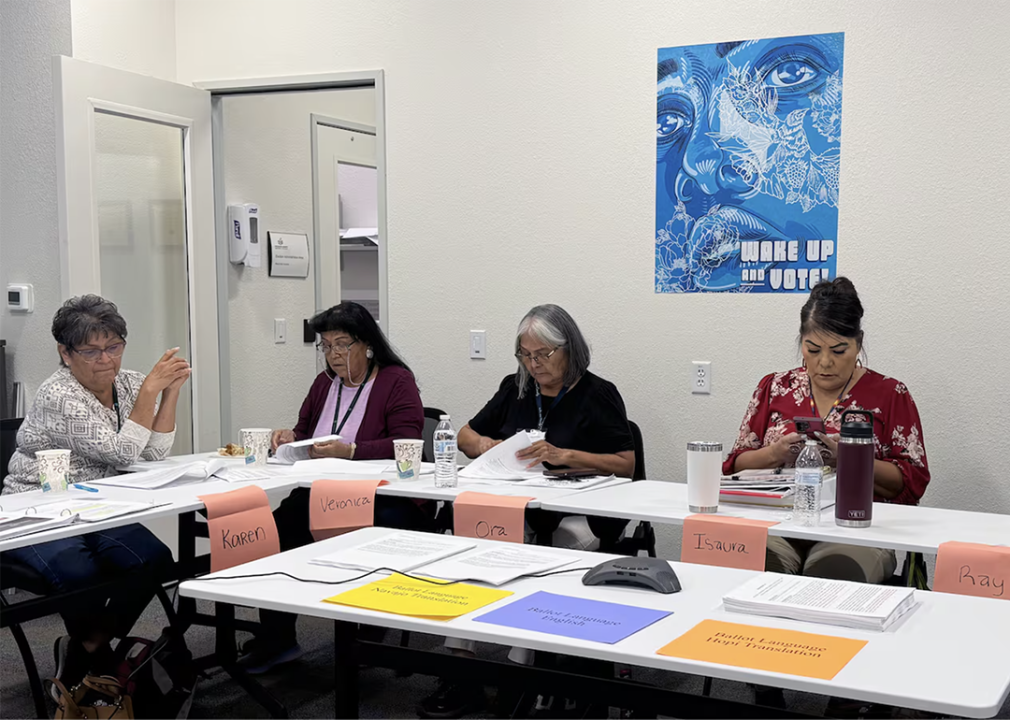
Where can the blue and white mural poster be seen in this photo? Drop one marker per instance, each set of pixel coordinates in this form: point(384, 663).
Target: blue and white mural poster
point(748, 145)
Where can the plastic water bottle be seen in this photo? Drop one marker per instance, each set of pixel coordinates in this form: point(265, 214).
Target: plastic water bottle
point(445, 453)
point(807, 495)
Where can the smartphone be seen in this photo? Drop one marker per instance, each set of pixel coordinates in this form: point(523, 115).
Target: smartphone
point(571, 473)
point(809, 426)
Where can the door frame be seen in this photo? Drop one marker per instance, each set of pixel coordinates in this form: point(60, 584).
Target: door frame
point(290, 83)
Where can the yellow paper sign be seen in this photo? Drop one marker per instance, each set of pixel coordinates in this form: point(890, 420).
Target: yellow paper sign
point(781, 651)
point(403, 596)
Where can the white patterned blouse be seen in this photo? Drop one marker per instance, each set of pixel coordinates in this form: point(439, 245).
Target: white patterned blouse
point(66, 415)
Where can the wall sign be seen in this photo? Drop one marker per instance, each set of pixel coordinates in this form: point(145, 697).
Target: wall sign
point(289, 254)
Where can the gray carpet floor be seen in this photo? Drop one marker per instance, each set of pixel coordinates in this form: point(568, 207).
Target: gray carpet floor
point(304, 685)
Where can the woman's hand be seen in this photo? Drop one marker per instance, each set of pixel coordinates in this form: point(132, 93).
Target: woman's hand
point(177, 384)
point(167, 371)
point(831, 445)
point(786, 448)
point(330, 448)
point(486, 443)
point(281, 437)
point(542, 451)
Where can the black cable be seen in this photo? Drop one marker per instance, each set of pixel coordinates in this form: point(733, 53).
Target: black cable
point(432, 581)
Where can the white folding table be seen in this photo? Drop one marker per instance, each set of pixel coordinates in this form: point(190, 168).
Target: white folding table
point(935, 659)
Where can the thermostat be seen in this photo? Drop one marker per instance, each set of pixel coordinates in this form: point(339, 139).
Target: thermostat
point(20, 298)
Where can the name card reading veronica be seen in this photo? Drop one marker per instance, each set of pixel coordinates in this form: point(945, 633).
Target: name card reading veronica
point(339, 506)
point(241, 527)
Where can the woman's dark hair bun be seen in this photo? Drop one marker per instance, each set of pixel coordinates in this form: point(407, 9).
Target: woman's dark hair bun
point(833, 307)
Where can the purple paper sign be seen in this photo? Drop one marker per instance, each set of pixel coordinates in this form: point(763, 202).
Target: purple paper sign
point(573, 617)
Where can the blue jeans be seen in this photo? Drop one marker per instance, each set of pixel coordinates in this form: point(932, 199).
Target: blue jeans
point(86, 560)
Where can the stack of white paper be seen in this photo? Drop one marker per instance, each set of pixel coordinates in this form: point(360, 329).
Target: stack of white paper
point(501, 463)
point(497, 565)
point(833, 602)
point(14, 525)
point(580, 483)
point(225, 468)
point(292, 452)
point(401, 552)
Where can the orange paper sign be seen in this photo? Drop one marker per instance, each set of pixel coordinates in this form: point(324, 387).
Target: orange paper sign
point(242, 528)
point(725, 541)
point(749, 646)
point(494, 517)
point(973, 569)
point(339, 506)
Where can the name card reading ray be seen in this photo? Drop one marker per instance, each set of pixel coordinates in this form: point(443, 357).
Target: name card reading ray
point(972, 569)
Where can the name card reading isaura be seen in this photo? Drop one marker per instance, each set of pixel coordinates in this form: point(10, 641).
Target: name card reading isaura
point(725, 541)
point(339, 506)
point(972, 569)
point(761, 648)
point(241, 527)
point(491, 517)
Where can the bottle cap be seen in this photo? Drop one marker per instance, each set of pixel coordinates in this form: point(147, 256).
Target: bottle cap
point(704, 447)
point(443, 417)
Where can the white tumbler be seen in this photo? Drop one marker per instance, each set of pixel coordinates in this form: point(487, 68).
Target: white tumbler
point(704, 473)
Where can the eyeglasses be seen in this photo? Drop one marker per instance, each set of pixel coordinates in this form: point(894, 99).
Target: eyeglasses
point(93, 354)
point(535, 359)
point(326, 348)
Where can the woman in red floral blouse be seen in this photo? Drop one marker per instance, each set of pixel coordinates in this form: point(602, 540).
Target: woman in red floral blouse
point(831, 381)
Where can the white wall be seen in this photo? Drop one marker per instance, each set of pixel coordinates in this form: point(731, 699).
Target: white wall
point(31, 32)
point(134, 35)
point(268, 160)
point(521, 159)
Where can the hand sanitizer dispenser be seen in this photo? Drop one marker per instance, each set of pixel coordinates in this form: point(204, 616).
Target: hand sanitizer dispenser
point(243, 229)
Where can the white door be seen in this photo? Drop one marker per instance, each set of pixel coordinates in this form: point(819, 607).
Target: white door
point(135, 179)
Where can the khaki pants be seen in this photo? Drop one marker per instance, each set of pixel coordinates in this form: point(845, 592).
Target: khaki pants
point(834, 561)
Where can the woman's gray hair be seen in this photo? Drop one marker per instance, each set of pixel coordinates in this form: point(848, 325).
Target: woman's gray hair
point(553, 326)
point(81, 318)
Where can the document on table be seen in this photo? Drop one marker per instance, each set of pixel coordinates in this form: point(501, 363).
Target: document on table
point(291, 453)
point(153, 479)
point(14, 525)
point(567, 483)
point(501, 463)
point(91, 510)
point(401, 552)
point(340, 466)
point(834, 602)
point(497, 565)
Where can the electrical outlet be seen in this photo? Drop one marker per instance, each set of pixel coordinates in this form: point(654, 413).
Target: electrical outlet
point(701, 377)
point(478, 345)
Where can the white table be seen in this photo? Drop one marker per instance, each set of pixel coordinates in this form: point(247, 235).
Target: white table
point(938, 659)
point(898, 527)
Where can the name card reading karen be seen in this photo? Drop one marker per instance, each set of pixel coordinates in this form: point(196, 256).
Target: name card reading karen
point(782, 651)
point(972, 569)
point(241, 527)
point(725, 541)
point(491, 517)
point(339, 506)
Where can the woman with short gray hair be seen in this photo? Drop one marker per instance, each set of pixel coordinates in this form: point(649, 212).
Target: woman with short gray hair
point(107, 418)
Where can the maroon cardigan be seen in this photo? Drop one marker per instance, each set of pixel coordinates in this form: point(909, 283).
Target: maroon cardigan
point(394, 412)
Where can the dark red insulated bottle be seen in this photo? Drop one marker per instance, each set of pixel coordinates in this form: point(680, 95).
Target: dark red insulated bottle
point(854, 475)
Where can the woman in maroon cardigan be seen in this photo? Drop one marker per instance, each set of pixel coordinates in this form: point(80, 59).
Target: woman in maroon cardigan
point(367, 396)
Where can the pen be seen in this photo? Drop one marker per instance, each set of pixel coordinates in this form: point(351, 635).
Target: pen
point(85, 487)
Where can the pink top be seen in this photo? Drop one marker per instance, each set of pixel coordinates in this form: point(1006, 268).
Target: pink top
point(349, 432)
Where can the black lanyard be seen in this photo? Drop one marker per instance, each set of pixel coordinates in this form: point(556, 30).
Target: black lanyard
point(115, 406)
point(340, 393)
point(540, 408)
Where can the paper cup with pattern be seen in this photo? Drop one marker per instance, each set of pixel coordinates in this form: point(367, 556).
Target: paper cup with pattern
point(408, 458)
point(54, 468)
point(256, 442)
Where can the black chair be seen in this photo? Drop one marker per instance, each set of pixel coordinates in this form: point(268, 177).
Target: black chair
point(431, 417)
point(8, 442)
point(644, 535)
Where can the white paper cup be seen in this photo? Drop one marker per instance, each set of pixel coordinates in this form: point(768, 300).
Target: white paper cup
point(54, 467)
point(256, 442)
point(704, 473)
point(408, 458)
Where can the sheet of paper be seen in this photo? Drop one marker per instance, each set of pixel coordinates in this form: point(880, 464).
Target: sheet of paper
point(91, 510)
point(782, 651)
point(400, 552)
point(242, 528)
point(573, 617)
point(405, 596)
point(291, 453)
point(498, 565)
point(19, 524)
point(339, 506)
point(567, 483)
point(725, 541)
point(160, 477)
point(501, 463)
point(241, 474)
point(973, 569)
point(339, 466)
point(493, 517)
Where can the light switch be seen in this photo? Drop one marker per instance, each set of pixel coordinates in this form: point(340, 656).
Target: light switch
point(478, 345)
point(280, 330)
